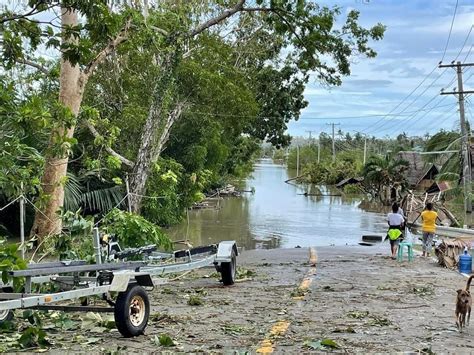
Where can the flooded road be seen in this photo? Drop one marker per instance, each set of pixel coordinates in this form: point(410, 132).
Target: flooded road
point(278, 215)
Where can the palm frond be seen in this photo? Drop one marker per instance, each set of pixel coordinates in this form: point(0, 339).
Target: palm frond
point(73, 191)
point(102, 199)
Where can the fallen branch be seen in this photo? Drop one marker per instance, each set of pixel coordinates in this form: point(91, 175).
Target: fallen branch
point(414, 306)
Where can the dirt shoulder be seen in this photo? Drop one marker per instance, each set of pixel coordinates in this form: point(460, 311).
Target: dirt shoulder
point(356, 299)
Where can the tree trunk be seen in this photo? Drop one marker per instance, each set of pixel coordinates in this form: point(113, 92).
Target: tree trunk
point(154, 137)
point(70, 95)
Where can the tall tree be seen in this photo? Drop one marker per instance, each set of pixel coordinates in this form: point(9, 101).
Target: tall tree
point(81, 50)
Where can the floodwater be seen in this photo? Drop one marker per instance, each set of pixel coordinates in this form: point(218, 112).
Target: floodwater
point(278, 215)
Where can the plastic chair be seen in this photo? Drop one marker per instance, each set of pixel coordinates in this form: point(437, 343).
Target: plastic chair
point(401, 246)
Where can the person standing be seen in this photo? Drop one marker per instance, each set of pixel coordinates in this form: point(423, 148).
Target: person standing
point(395, 224)
point(428, 216)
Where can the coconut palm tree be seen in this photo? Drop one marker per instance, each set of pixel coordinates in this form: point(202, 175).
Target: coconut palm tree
point(383, 172)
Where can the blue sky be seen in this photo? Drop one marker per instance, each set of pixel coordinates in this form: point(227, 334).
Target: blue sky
point(417, 31)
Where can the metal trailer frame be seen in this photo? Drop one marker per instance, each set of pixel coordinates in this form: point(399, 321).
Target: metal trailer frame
point(120, 277)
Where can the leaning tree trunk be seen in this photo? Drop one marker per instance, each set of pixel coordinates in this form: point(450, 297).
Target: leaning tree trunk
point(154, 137)
point(70, 95)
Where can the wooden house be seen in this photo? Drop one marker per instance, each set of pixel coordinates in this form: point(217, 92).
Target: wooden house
point(349, 181)
point(420, 175)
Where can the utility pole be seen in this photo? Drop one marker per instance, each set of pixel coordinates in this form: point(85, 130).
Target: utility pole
point(319, 151)
point(310, 135)
point(464, 136)
point(365, 149)
point(297, 160)
point(333, 143)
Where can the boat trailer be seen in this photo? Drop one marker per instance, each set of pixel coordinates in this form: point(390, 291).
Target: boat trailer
point(120, 283)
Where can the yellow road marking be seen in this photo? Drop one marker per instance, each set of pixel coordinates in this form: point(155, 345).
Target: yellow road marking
point(313, 258)
point(308, 279)
point(280, 328)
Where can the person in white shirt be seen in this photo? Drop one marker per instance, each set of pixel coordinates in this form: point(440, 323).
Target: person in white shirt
point(395, 222)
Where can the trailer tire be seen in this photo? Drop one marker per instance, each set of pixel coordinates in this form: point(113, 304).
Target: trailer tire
point(132, 309)
point(229, 269)
point(6, 316)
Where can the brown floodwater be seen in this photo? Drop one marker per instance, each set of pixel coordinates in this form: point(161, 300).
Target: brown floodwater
point(278, 215)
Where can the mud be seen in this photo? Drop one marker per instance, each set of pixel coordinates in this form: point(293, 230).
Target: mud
point(357, 298)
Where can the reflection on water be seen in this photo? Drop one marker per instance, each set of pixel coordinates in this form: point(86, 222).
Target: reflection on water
point(279, 215)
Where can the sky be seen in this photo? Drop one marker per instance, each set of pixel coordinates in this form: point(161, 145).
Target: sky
point(413, 45)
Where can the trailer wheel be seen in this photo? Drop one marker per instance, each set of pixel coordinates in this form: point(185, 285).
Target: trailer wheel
point(228, 270)
point(132, 310)
point(6, 316)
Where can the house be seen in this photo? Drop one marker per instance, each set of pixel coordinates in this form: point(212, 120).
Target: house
point(349, 181)
point(428, 178)
point(438, 187)
point(419, 175)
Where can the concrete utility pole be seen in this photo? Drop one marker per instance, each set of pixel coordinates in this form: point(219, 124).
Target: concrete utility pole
point(310, 135)
point(319, 151)
point(465, 137)
point(333, 142)
point(297, 160)
point(365, 149)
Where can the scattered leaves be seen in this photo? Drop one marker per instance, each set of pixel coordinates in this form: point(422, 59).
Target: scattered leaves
point(195, 300)
point(164, 340)
point(243, 273)
point(424, 290)
point(33, 337)
point(379, 321)
point(344, 330)
point(358, 314)
point(299, 292)
point(323, 344)
point(235, 329)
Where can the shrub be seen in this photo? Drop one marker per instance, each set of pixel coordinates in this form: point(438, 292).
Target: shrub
point(135, 231)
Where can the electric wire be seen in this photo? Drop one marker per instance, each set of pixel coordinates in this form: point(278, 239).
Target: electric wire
point(450, 31)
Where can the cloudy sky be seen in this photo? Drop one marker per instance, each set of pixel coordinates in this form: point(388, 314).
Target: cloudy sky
point(414, 43)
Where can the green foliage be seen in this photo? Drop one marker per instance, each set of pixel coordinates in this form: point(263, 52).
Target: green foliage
point(165, 340)
point(10, 260)
point(33, 337)
point(307, 154)
point(352, 189)
point(20, 163)
point(380, 172)
point(76, 240)
point(450, 163)
point(92, 192)
point(165, 206)
point(279, 155)
point(134, 231)
point(329, 173)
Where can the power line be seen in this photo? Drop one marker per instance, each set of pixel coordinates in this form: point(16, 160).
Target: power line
point(408, 96)
point(450, 31)
point(464, 44)
point(372, 128)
